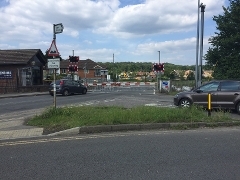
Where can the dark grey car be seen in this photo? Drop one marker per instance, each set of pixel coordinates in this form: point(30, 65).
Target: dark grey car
point(225, 94)
point(67, 87)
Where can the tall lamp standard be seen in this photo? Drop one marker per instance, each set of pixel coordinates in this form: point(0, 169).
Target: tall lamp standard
point(159, 56)
point(159, 75)
point(113, 69)
point(197, 50)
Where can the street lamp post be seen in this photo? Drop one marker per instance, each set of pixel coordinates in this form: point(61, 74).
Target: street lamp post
point(201, 43)
point(113, 69)
point(197, 49)
point(159, 56)
point(159, 74)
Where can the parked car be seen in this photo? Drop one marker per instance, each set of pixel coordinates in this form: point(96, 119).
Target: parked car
point(67, 87)
point(225, 94)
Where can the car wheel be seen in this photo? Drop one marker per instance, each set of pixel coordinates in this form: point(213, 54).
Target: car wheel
point(84, 91)
point(65, 92)
point(238, 108)
point(185, 103)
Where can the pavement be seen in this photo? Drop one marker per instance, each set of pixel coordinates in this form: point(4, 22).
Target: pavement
point(15, 128)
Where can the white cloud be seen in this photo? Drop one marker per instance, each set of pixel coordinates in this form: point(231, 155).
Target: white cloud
point(97, 28)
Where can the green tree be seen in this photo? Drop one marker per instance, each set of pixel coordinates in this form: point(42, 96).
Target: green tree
point(224, 53)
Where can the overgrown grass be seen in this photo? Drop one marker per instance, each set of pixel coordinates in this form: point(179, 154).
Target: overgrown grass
point(68, 117)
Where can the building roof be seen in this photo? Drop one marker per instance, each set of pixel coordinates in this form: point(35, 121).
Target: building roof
point(20, 56)
point(90, 64)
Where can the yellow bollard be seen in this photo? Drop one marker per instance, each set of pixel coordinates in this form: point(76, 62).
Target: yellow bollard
point(209, 104)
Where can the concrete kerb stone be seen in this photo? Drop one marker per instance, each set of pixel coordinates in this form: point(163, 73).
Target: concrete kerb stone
point(72, 131)
point(132, 127)
point(95, 129)
point(155, 126)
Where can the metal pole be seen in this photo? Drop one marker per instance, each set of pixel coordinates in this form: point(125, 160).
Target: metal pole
point(113, 69)
point(54, 35)
point(159, 80)
point(197, 49)
point(54, 72)
point(159, 56)
point(85, 72)
point(54, 88)
point(201, 43)
point(72, 73)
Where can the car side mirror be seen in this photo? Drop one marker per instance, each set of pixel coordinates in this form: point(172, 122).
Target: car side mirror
point(199, 91)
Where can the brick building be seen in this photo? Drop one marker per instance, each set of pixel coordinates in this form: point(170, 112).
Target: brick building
point(87, 70)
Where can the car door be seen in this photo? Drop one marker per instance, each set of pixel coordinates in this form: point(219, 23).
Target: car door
point(69, 86)
point(200, 95)
point(77, 87)
point(228, 94)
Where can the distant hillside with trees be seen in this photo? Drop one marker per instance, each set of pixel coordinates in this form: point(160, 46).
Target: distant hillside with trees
point(127, 67)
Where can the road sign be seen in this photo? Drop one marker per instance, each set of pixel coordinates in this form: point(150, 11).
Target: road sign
point(58, 28)
point(54, 63)
point(53, 49)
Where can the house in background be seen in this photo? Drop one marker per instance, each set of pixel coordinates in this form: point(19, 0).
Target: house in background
point(88, 70)
point(21, 70)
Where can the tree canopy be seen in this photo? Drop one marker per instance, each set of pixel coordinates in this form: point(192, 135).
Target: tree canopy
point(224, 53)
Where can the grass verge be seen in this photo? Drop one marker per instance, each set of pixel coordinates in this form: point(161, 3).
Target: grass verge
point(58, 119)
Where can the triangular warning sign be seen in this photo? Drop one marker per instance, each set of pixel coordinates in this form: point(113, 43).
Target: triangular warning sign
point(53, 51)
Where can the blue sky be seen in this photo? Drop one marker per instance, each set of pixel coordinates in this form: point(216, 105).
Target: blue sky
point(132, 30)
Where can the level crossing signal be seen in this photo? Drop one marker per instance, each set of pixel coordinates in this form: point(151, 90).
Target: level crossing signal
point(72, 68)
point(158, 67)
point(73, 59)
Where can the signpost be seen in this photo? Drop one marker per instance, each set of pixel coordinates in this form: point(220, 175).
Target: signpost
point(58, 28)
point(55, 62)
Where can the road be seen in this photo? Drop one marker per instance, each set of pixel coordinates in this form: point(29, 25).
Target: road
point(33, 103)
point(194, 154)
point(14, 111)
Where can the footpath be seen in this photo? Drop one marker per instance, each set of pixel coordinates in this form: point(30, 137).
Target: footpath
point(15, 129)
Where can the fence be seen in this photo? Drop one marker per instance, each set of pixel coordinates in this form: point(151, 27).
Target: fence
point(22, 89)
point(122, 86)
